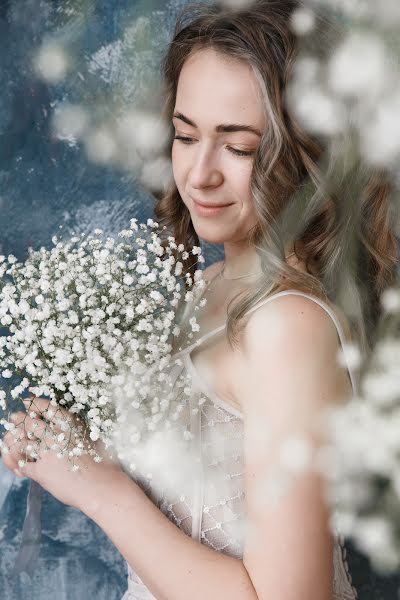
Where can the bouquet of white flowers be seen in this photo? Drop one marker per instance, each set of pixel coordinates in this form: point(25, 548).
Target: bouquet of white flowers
point(81, 313)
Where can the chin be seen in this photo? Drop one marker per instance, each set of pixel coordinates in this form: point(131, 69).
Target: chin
point(210, 240)
point(217, 239)
point(209, 236)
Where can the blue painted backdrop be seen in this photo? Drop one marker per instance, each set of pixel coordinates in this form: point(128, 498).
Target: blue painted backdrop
point(46, 182)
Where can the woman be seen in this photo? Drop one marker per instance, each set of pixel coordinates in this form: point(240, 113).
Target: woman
point(238, 158)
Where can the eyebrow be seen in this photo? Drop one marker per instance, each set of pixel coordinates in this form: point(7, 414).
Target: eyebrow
point(223, 128)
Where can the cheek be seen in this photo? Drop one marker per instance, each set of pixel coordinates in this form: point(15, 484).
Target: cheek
point(240, 181)
point(241, 184)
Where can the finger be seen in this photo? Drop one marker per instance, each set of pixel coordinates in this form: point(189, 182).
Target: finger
point(29, 469)
point(61, 417)
point(36, 404)
point(42, 406)
point(49, 435)
point(23, 435)
point(12, 453)
point(22, 439)
point(17, 417)
point(44, 434)
point(14, 434)
point(30, 436)
point(7, 458)
point(18, 452)
point(31, 424)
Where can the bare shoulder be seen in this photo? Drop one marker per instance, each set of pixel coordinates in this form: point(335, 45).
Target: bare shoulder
point(289, 348)
point(292, 319)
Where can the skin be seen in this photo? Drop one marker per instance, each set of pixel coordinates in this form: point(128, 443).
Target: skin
point(215, 166)
point(209, 167)
point(288, 552)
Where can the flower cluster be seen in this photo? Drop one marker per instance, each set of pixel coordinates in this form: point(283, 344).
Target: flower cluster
point(81, 315)
point(363, 459)
point(351, 94)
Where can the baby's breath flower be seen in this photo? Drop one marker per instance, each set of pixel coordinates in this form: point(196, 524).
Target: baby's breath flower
point(89, 320)
point(194, 325)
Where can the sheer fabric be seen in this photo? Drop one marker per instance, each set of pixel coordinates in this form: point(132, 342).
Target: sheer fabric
point(212, 508)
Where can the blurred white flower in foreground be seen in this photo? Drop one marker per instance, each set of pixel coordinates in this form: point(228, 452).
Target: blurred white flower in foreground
point(136, 143)
point(386, 14)
point(350, 91)
point(296, 454)
point(355, 86)
point(152, 458)
point(317, 111)
point(358, 66)
point(390, 300)
point(362, 459)
point(380, 131)
point(101, 145)
point(51, 62)
point(302, 21)
point(70, 122)
point(349, 356)
point(144, 131)
point(375, 538)
point(157, 174)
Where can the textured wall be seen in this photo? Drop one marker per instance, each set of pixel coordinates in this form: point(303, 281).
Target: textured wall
point(45, 182)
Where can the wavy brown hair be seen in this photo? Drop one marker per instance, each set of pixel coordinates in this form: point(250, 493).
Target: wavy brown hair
point(343, 230)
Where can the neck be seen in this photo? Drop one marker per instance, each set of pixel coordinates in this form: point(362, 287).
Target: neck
point(244, 260)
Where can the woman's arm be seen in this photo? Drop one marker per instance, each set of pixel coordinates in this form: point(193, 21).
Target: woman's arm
point(173, 565)
point(287, 375)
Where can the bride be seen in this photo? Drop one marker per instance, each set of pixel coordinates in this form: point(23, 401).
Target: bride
point(265, 369)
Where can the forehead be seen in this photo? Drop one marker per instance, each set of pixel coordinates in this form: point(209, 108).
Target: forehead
point(215, 88)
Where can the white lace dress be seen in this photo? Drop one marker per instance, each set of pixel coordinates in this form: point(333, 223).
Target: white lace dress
point(211, 508)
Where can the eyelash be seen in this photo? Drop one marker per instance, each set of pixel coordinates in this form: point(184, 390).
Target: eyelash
point(188, 140)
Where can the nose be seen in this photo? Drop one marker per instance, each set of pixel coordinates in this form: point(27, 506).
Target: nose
point(205, 170)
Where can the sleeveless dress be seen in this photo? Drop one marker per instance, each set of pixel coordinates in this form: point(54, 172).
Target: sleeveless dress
point(211, 507)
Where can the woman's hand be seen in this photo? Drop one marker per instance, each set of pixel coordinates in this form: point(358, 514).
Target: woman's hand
point(81, 488)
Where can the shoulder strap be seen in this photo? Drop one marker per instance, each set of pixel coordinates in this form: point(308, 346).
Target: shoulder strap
point(327, 309)
point(339, 329)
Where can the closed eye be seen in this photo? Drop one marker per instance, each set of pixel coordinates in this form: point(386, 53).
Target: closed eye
point(189, 140)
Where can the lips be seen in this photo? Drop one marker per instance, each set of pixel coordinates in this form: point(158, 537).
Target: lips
point(209, 204)
point(210, 209)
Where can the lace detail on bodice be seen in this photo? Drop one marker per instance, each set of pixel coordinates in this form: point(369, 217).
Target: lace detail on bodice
point(210, 507)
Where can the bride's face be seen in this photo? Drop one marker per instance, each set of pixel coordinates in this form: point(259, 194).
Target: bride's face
point(217, 94)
